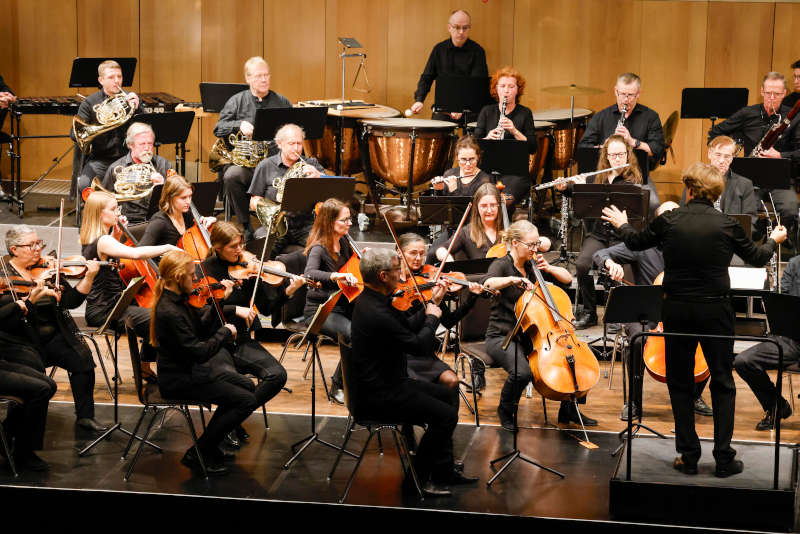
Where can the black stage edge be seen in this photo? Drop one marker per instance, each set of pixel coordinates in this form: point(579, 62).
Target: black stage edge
point(657, 493)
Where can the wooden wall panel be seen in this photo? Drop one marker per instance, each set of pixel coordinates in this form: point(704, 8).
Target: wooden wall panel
point(98, 36)
point(668, 65)
point(785, 46)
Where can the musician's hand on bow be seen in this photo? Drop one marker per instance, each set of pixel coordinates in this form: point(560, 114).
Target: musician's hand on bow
point(41, 291)
point(228, 285)
point(612, 215)
point(433, 309)
point(779, 234)
point(521, 282)
point(208, 221)
point(416, 107)
point(156, 178)
point(246, 128)
point(232, 328)
point(295, 283)
point(770, 153)
point(22, 306)
point(348, 279)
point(623, 131)
point(133, 99)
point(615, 270)
point(248, 314)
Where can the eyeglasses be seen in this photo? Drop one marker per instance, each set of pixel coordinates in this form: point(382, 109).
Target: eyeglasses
point(488, 207)
point(720, 155)
point(774, 94)
point(458, 28)
point(464, 161)
point(260, 76)
point(415, 253)
point(627, 95)
point(531, 246)
point(617, 154)
point(347, 220)
point(36, 244)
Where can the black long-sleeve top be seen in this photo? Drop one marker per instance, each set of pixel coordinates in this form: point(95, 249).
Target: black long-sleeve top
point(790, 281)
point(643, 124)
point(447, 59)
point(748, 125)
point(698, 242)
point(461, 189)
point(186, 336)
point(242, 107)
point(381, 338)
point(646, 264)
point(161, 230)
point(135, 210)
point(464, 243)
point(319, 266)
point(108, 146)
point(521, 116)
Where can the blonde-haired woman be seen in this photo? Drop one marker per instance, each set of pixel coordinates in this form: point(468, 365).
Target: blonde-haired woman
point(174, 216)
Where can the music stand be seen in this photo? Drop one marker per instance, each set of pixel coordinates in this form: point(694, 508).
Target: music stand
point(446, 211)
point(765, 173)
point(171, 128)
point(587, 157)
point(311, 338)
point(302, 194)
point(461, 94)
point(268, 121)
point(214, 95)
point(84, 70)
point(479, 266)
point(588, 200)
point(110, 324)
point(712, 102)
point(633, 304)
point(504, 157)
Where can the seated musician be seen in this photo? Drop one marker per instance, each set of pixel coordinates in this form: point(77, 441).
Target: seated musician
point(427, 366)
point(239, 115)
point(508, 85)
point(640, 129)
point(290, 142)
point(738, 196)
point(792, 98)
point(328, 250)
point(752, 364)
point(381, 339)
point(464, 180)
point(174, 217)
point(52, 338)
point(109, 146)
point(139, 140)
point(646, 265)
point(188, 341)
point(749, 125)
point(483, 230)
point(613, 153)
point(512, 275)
point(99, 237)
point(25, 423)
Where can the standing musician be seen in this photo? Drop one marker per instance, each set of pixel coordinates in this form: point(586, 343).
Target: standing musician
point(52, 337)
point(749, 125)
point(290, 142)
point(140, 140)
point(508, 85)
point(174, 217)
point(239, 115)
point(698, 242)
point(99, 237)
point(109, 146)
point(753, 363)
point(614, 152)
point(382, 338)
point(646, 265)
point(641, 127)
point(188, 342)
point(328, 250)
point(464, 180)
point(512, 275)
point(457, 56)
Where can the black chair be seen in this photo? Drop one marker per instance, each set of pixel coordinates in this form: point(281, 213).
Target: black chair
point(88, 334)
point(373, 426)
point(152, 401)
point(8, 403)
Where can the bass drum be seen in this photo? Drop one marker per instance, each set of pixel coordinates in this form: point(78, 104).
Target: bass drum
point(396, 144)
point(566, 135)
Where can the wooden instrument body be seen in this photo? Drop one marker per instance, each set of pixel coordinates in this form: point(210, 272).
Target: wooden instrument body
point(352, 266)
point(130, 269)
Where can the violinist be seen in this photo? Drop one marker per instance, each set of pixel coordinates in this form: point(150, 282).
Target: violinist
point(98, 236)
point(613, 153)
point(427, 366)
point(328, 250)
point(698, 242)
point(174, 217)
point(512, 275)
point(464, 180)
point(52, 328)
point(189, 341)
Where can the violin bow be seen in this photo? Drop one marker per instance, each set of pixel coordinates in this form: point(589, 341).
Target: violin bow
point(452, 242)
point(403, 257)
point(58, 250)
point(258, 274)
point(208, 286)
point(8, 279)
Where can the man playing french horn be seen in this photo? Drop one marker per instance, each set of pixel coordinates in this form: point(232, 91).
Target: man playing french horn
point(290, 142)
point(138, 170)
point(107, 146)
point(237, 117)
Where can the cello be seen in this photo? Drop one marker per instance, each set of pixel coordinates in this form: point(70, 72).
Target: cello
point(199, 243)
point(130, 269)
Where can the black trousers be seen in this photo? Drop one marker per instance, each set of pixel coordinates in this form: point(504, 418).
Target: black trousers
point(251, 358)
point(583, 264)
point(421, 403)
point(26, 423)
point(336, 324)
point(752, 366)
point(236, 181)
point(710, 317)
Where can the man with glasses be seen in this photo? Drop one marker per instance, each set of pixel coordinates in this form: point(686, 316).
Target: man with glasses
point(641, 127)
point(457, 56)
point(239, 115)
point(290, 142)
point(748, 126)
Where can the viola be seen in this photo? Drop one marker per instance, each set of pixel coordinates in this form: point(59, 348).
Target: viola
point(499, 249)
point(654, 353)
point(405, 295)
point(130, 269)
point(272, 272)
point(196, 241)
point(352, 266)
point(205, 289)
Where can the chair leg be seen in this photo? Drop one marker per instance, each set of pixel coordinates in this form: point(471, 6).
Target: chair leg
point(264, 413)
point(203, 416)
point(474, 408)
point(380, 441)
point(185, 411)
point(135, 430)
point(141, 446)
point(53, 371)
point(791, 389)
point(613, 359)
point(347, 433)
point(110, 348)
point(405, 459)
point(289, 341)
point(7, 450)
point(355, 469)
point(100, 360)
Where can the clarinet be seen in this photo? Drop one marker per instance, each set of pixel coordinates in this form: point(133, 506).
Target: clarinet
point(773, 261)
point(502, 114)
point(621, 121)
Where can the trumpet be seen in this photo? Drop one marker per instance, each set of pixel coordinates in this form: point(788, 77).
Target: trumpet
point(111, 113)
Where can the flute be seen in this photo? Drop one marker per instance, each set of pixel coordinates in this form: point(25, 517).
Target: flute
point(573, 178)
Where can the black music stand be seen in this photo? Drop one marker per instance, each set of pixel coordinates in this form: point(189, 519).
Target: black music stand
point(111, 322)
point(633, 304)
point(461, 94)
point(765, 173)
point(311, 338)
point(504, 157)
point(84, 70)
point(446, 211)
point(587, 160)
point(712, 102)
point(590, 199)
point(171, 128)
point(302, 194)
point(214, 95)
point(268, 121)
point(479, 266)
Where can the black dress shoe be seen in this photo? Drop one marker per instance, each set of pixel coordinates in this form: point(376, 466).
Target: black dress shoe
point(586, 321)
point(458, 466)
point(768, 423)
point(232, 440)
point(225, 453)
point(213, 467)
point(701, 408)
point(624, 413)
point(88, 423)
point(734, 467)
point(687, 468)
point(570, 415)
point(432, 489)
point(29, 461)
point(459, 478)
point(506, 418)
point(337, 394)
point(242, 434)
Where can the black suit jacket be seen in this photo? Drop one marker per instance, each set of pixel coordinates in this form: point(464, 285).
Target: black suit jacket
point(738, 197)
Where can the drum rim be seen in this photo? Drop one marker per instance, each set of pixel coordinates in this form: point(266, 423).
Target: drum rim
point(388, 122)
point(582, 115)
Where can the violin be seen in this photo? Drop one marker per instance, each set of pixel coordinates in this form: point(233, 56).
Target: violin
point(206, 288)
point(352, 266)
point(71, 267)
point(196, 241)
point(405, 295)
point(272, 272)
point(499, 249)
point(654, 358)
point(20, 286)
